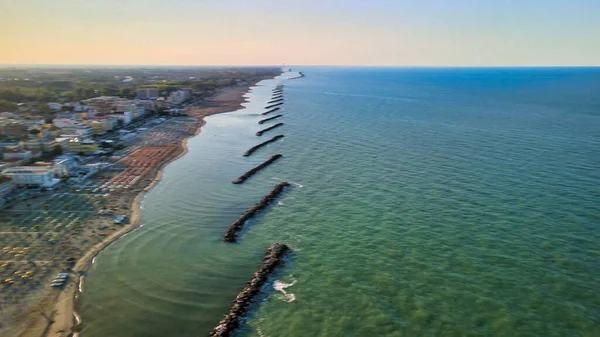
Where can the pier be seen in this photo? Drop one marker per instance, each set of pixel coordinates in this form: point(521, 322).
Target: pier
point(231, 236)
point(268, 119)
point(273, 105)
point(259, 133)
point(274, 257)
point(254, 148)
point(255, 170)
point(268, 112)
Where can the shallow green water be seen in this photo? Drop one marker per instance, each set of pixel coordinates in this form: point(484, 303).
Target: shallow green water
point(425, 203)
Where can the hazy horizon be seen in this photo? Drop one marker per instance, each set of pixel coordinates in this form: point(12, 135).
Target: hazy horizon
point(327, 32)
point(287, 66)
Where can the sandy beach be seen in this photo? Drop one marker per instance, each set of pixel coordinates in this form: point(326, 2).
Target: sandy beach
point(57, 314)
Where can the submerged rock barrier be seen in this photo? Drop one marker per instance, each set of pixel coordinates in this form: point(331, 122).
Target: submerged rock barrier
point(275, 100)
point(273, 105)
point(254, 148)
point(231, 235)
point(259, 133)
point(253, 171)
point(274, 257)
point(268, 119)
point(268, 112)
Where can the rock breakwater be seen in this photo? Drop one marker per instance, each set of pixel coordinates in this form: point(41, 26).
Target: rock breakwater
point(274, 257)
point(255, 170)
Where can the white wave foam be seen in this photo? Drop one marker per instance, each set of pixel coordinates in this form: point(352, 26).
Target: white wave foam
point(260, 333)
point(81, 284)
point(297, 184)
point(280, 203)
point(281, 286)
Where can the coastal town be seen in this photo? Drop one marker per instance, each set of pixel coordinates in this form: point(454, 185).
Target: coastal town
point(71, 171)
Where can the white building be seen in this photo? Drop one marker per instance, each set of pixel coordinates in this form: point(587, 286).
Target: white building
point(178, 97)
point(125, 116)
point(65, 115)
point(147, 93)
point(32, 176)
point(55, 106)
point(82, 131)
point(147, 104)
point(24, 155)
point(80, 107)
point(64, 165)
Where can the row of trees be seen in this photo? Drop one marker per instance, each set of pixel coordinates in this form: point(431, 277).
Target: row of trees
point(7, 106)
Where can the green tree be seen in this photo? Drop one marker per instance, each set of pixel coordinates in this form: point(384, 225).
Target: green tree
point(110, 90)
point(127, 92)
point(7, 106)
point(57, 151)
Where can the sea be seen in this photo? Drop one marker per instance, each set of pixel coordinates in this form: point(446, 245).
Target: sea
point(424, 202)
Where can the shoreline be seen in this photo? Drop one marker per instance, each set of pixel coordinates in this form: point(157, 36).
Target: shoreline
point(64, 319)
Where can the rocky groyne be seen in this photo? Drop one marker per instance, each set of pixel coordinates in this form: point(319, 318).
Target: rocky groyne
point(231, 235)
point(253, 171)
point(268, 119)
point(270, 111)
point(254, 148)
point(276, 100)
point(274, 257)
point(273, 105)
point(260, 133)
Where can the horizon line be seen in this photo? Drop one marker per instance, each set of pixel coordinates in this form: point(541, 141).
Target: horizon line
point(66, 65)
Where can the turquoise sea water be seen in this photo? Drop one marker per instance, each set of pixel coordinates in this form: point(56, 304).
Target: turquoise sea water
point(426, 202)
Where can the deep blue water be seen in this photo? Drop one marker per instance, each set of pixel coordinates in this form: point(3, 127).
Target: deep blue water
point(446, 202)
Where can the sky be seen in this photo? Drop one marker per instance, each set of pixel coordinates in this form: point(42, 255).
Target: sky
point(301, 32)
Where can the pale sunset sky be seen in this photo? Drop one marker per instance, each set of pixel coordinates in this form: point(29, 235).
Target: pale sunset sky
point(301, 32)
